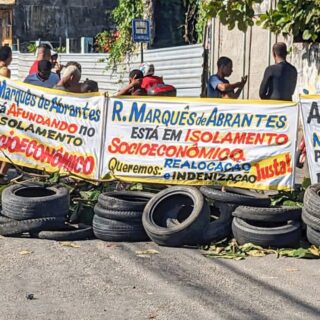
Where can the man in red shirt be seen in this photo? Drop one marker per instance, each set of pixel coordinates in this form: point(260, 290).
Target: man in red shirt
point(44, 53)
point(149, 80)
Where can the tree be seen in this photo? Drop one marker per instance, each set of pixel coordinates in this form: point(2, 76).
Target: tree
point(300, 18)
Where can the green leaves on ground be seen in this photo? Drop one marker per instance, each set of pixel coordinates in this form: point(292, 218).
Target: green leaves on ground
point(294, 198)
point(233, 251)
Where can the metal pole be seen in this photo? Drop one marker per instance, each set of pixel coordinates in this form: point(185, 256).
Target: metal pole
point(249, 63)
point(269, 39)
point(212, 45)
point(141, 48)
point(244, 58)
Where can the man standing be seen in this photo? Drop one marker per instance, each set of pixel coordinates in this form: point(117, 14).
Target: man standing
point(44, 77)
point(43, 53)
point(279, 80)
point(219, 87)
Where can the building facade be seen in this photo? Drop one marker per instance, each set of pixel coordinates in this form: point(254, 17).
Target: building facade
point(28, 20)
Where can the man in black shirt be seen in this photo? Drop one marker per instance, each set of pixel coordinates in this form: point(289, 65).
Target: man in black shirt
point(279, 80)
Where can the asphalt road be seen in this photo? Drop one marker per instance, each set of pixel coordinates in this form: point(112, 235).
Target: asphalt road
point(100, 280)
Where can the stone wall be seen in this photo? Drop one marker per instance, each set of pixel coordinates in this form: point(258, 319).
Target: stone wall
point(49, 20)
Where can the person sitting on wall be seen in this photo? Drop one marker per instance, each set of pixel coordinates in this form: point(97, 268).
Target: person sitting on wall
point(219, 87)
point(43, 53)
point(44, 77)
point(134, 86)
point(149, 79)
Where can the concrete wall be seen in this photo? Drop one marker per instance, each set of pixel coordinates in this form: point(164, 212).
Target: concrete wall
point(306, 58)
point(51, 19)
point(251, 53)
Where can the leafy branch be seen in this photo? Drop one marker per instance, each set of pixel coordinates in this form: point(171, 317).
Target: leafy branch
point(296, 17)
point(123, 14)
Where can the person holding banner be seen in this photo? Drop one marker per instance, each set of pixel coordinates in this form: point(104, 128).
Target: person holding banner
point(279, 80)
point(219, 86)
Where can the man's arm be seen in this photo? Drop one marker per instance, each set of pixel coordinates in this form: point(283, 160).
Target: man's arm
point(264, 91)
point(240, 85)
point(123, 91)
point(226, 87)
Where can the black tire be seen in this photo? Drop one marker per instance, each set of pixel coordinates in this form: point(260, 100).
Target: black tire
point(112, 230)
point(311, 200)
point(284, 236)
point(310, 220)
point(31, 225)
point(272, 214)
point(235, 198)
point(32, 201)
point(124, 200)
point(4, 219)
point(187, 205)
point(220, 228)
point(313, 236)
point(71, 233)
point(117, 215)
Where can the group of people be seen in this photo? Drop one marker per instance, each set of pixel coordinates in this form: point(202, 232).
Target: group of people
point(47, 72)
point(143, 82)
point(278, 83)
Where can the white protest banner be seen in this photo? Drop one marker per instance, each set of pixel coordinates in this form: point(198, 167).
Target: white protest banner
point(193, 141)
point(52, 130)
point(310, 111)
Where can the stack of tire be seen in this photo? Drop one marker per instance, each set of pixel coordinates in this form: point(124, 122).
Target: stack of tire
point(40, 211)
point(179, 216)
point(256, 221)
point(118, 216)
point(311, 213)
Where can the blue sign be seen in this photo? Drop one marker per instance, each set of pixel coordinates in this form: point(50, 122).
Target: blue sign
point(140, 30)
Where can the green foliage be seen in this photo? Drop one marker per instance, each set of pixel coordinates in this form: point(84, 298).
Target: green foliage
point(201, 20)
point(60, 49)
point(32, 47)
point(123, 14)
point(232, 13)
point(231, 250)
point(294, 198)
point(105, 40)
point(294, 17)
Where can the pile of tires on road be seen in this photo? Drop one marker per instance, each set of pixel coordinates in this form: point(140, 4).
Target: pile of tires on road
point(179, 216)
point(40, 211)
point(176, 216)
point(118, 216)
point(311, 213)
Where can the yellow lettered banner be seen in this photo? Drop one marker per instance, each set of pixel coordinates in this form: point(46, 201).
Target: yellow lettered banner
point(191, 141)
point(310, 111)
point(51, 130)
